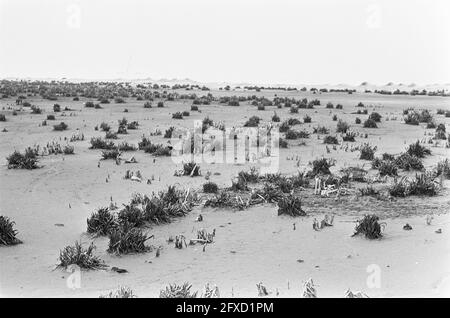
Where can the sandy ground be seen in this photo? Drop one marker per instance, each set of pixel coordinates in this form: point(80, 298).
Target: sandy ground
point(250, 246)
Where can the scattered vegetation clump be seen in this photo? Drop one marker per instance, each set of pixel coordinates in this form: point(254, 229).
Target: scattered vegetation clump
point(422, 184)
point(147, 105)
point(275, 118)
point(252, 122)
point(51, 117)
point(369, 191)
point(99, 143)
point(210, 187)
point(2, 117)
point(121, 292)
point(385, 167)
point(443, 168)
point(68, 150)
point(127, 239)
point(177, 291)
point(342, 127)
point(60, 127)
point(56, 108)
point(194, 108)
point(296, 134)
point(282, 143)
point(28, 160)
point(370, 123)
point(125, 146)
point(349, 136)
point(416, 149)
point(7, 232)
point(36, 110)
point(191, 169)
point(369, 227)
point(321, 130)
point(89, 104)
point(160, 104)
point(251, 176)
point(408, 162)
point(110, 154)
point(376, 117)
point(357, 120)
point(111, 135)
point(133, 125)
point(294, 110)
point(367, 152)
point(290, 205)
point(177, 115)
point(131, 215)
point(306, 119)
point(322, 166)
point(77, 255)
point(101, 222)
point(331, 140)
point(329, 105)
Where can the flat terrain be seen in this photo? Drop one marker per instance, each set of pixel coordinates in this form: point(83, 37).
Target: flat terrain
point(251, 246)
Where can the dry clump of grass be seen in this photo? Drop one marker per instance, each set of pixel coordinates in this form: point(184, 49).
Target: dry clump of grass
point(369, 227)
point(386, 167)
point(110, 154)
point(60, 127)
point(349, 136)
point(342, 127)
point(191, 169)
point(331, 140)
point(82, 257)
point(210, 187)
point(370, 123)
point(121, 292)
point(125, 146)
point(28, 160)
point(290, 205)
point(178, 291)
point(443, 168)
point(268, 193)
point(408, 162)
point(7, 232)
point(101, 222)
point(321, 166)
point(224, 199)
point(369, 191)
point(252, 122)
point(421, 184)
point(416, 149)
point(99, 143)
point(296, 134)
point(367, 152)
point(127, 239)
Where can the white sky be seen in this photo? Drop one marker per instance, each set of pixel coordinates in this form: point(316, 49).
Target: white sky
point(259, 41)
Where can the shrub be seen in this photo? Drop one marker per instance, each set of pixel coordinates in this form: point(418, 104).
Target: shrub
point(99, 143)
point(375, 117)
point(370, 123)
point(194, 108)
point(334, 118)
point(357, 120)
point(177, 115)
point(443, 168)
point(2, 117)
point(261, 107)
point(125, 146)
point(330, 105)
point(408, 162)
point(110, 154)
point(89, 104)
point(105, 127)
point(295, 134)
point(77, 255)
point(127, 239)
point(110, 135)
point(322, 166)
point(176, 291)
point(252, 122)
point(399, 188)
point(147, 105)
point(423, 184)
point(349, 136)
point(160, 104)
point(133, 125)
point(416, 149)
point(412, 118)
point(332, 140)
point(369, 191)
point(60, 127)
point(101, 222)
point(131, 215)
point(121, 292)
point(28, 160)
point(210, 187)
point(186, 113)
point(251, 176)
point(369, 226)
point(36, 110)
point(387, 168)
point(306, 119)
point(339, 106)
point(7, 232)
point(291, 206)
point(282, 143)
point(342, 127)
point(119, 100)
point(56, 108)
point(294, 110)
point(50, 117)
point(321, 130)
point(293, 121)
point(68, 150)
point(191, 169)
point(275, 118)
point(367, 152)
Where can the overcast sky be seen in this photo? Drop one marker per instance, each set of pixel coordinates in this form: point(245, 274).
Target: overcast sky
point(259, 41)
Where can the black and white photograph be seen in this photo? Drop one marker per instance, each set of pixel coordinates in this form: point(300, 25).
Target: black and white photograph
point(230, 149)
